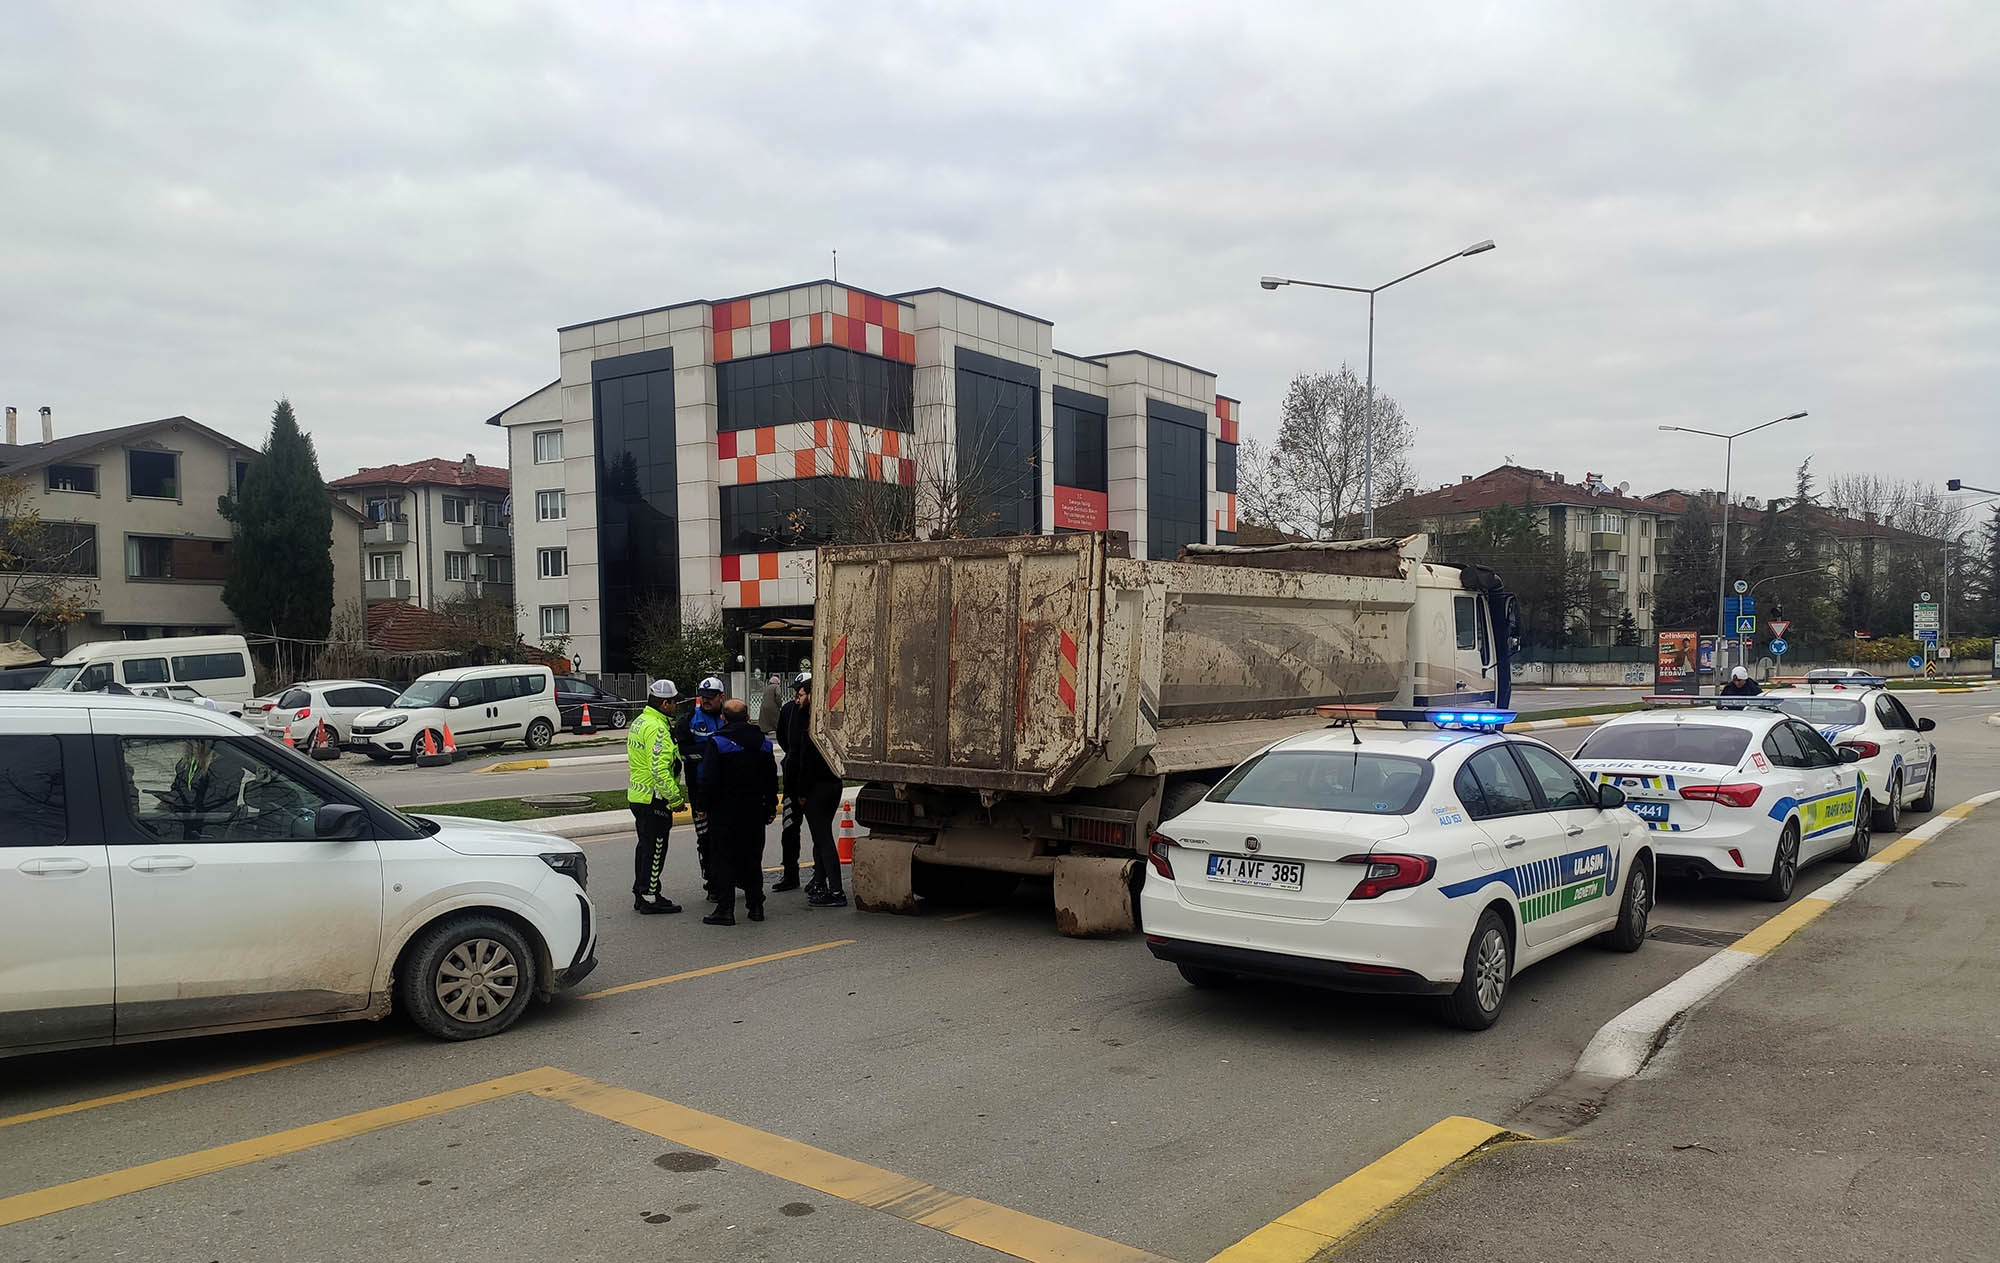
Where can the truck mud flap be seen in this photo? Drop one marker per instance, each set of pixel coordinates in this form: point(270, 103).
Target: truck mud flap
point(1093, 895)
point(881, 875)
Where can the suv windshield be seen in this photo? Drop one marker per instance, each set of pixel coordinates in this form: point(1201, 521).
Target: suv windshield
point(1327, 780)
point(422, 693)
point(1825, 710)
point(1667, 743)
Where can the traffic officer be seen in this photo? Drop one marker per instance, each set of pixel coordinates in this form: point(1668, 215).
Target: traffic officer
point(654, 793)
point(739, 789)
point(694, 734)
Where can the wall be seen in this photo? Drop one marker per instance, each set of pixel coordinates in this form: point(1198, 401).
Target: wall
point(531, 591)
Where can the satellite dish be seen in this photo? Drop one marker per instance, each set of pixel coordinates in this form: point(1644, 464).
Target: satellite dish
point(1624, 487)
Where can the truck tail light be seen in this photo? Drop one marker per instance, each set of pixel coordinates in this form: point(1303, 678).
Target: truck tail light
point(1868, 748)
point(1156, 852)
point(1385, 873)
point(1733, 795)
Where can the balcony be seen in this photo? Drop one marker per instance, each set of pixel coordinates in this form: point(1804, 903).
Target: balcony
point(396, 531)
point(1607, 541)
point(1610, 576)
point(385, 589)
point(491, 539)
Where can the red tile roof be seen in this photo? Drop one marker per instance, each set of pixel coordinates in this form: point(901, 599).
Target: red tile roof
point(427, 473)
point(394, 627)
point(1510, 485)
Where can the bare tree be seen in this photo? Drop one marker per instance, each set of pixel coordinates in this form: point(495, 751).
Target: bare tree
point(1316, 484)
point(1259, 495)
point(1903, 503)
point(45, 567)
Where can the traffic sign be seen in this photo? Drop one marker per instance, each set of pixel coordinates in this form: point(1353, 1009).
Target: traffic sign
point(1925, 616)
point(1779, 626)
point(1743, 586)
point(1862, 635)
point(1916, 661)
point(1923, 596)
point(1930, 670)
point(1737, 606)
point(1928, 635)
point(1746, 624)
point(1778, 648)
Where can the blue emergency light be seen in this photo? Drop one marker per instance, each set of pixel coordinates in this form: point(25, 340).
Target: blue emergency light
point(1477, 720)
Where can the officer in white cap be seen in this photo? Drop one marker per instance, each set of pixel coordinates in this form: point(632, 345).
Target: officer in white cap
point(653, 792)
point(695, 733)
point(1740, 685)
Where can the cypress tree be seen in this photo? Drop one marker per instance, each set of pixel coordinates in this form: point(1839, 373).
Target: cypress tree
point(281, 578)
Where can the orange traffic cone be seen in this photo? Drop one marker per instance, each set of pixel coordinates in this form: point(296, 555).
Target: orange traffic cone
point(324, 748)
point(450, 746)
point(843, 838)
point(289, 743)
point(584, 724)
point(428, 755)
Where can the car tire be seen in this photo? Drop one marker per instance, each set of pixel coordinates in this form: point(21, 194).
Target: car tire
point(1182, 797)
point(1864, 824)
point(1889, 813)
point(1203, 978)
point(1784, 866)
point(1489, 971)
point(619, 719)
point(467, 977)
point(540, 734)
point(1635, 910)
point(1929, 798)
point(380, 756)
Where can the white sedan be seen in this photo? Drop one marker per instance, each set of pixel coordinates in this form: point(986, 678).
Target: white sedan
point(1898, 760)
point(1736, 789)
point(1397, 860)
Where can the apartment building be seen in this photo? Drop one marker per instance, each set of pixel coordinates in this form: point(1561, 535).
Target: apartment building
point(131, 514)
point(433, 530)
point(697, 453)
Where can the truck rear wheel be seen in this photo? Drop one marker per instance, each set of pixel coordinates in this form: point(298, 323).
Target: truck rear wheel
point(975, 887)
point(1182, 796)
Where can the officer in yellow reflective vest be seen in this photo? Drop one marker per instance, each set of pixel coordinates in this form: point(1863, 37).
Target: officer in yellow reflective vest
point(654, 793)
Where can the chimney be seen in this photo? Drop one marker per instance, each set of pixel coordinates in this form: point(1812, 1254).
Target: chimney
point(48, 426)
point(13, 428)
point(470, 466)
point(1464, 478)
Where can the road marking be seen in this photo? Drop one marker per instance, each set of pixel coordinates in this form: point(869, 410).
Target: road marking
point(622, 988)
point(1767, 936)
point(1309, 1229)
point(518, 765)
point(1011, 1232)
point(97, 1188)
point(220, 1076)
point(967, 916)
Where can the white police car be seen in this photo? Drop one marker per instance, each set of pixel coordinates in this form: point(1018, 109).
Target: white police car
point(1898, 760)
point(1735, 788)
point(1399, 860)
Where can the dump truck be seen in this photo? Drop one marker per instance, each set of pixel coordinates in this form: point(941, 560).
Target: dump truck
point(1036, 705)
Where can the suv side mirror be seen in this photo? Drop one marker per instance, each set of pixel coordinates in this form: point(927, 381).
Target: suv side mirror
point(1610, 797)
point(1848, 754)
point(338, 821)
point(452, 701)
point(1926, 724)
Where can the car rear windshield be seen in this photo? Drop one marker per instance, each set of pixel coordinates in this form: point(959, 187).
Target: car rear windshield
point(1667, 743)
point(422, 693)
point(1327, 780)
point(1825, 710)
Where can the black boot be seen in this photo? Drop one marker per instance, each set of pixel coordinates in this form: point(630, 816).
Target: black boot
point(721, 916)
point(654, 907)
point(790, 881)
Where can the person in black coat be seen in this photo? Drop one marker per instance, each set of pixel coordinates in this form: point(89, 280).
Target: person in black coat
point(812, 795)
point(739, 790)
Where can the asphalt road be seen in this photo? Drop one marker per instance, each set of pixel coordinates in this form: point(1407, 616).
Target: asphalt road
point(1079, 1084)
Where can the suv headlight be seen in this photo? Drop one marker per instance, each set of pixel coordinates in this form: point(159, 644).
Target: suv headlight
point(570, 864)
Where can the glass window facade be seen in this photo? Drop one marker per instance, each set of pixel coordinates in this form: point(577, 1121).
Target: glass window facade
point(1000, 442)
point(812, 384)
point(1176, 462)
point(637, 494)
point(1080, 442)
point(765, 517)
point(1225, 466)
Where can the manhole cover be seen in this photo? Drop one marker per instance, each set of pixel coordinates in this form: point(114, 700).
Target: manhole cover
point(557, 802)
point(1693, 937)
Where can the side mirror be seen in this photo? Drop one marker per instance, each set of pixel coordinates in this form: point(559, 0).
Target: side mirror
point(1848, 754)
point(1926, 724)
point(452, 701)
point(1610, 797)
point(338, 821)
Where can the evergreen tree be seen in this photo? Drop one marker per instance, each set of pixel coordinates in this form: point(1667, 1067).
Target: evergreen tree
point(1989, 578)
point(281, 578)
point(1685, 597)
point(1628, 628)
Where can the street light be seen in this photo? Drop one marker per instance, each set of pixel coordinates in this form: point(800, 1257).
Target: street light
point(1944, 610)
point(1728, 467)
point(1368, 418)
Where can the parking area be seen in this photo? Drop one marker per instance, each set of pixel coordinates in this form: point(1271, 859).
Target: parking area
point(826, 1084)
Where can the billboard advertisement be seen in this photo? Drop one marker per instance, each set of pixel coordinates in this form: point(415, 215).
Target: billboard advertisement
point(1677, 669)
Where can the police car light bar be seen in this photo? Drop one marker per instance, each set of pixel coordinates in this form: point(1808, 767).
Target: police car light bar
point(1481, 719)
point(1763, 701)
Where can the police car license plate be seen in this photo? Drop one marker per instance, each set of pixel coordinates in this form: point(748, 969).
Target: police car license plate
point(1240, 871)
point(1646, 810)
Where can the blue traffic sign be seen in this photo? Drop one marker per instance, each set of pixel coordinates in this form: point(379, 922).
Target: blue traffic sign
point(1746, 625)
point(1928, 635)
point(1739, 606)
point(1778, 648)
point(1916, 662)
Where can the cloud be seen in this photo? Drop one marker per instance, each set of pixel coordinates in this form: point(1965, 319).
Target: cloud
point(1707, 214)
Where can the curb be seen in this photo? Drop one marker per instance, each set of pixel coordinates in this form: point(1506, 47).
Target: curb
point(1573, 721)
point(535, 765)
point(595, 825)
point(1623, 1045)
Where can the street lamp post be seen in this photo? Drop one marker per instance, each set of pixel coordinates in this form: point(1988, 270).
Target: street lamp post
point(1728, 469)
point(1368, 407)
point(1944, 610)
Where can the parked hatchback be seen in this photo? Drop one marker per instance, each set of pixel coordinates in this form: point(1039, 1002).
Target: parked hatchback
point(169, 872)
point(480, 706)
point(322, 709)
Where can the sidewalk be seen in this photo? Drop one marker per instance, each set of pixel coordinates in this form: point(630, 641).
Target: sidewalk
point(1839, 1101)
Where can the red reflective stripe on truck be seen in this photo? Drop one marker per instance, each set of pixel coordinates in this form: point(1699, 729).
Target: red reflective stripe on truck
point(837, 665)
point(1066, 673)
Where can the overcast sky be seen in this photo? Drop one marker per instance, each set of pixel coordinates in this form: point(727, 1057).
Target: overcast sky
point(1707, 214)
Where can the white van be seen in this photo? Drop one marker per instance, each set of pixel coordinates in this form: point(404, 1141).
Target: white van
point(483, 706)
point(217, 667)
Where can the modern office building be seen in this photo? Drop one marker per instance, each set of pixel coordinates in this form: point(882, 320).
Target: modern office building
point(435, 529)
point(697, 453)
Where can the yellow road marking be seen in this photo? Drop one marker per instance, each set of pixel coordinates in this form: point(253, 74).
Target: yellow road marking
point(967, 916)
point(200, 1080)
point(1304, 1232)
point(97, 1188)
point(518, 765)
point(622, 988)
point(1781, 927)
point(968, 1218)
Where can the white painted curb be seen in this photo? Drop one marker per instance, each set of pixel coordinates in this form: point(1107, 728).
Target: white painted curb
point(1622, 1046)
point(593, 825)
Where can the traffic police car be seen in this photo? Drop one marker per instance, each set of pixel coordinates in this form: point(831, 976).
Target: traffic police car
point(1898, 760)
point(1433, 861)
point(1735, 788)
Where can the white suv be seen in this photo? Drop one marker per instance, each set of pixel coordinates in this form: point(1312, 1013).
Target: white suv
point(165, 871)
point(481, 706)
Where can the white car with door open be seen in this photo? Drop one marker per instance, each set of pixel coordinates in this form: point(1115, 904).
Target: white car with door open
point(1439, 860)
